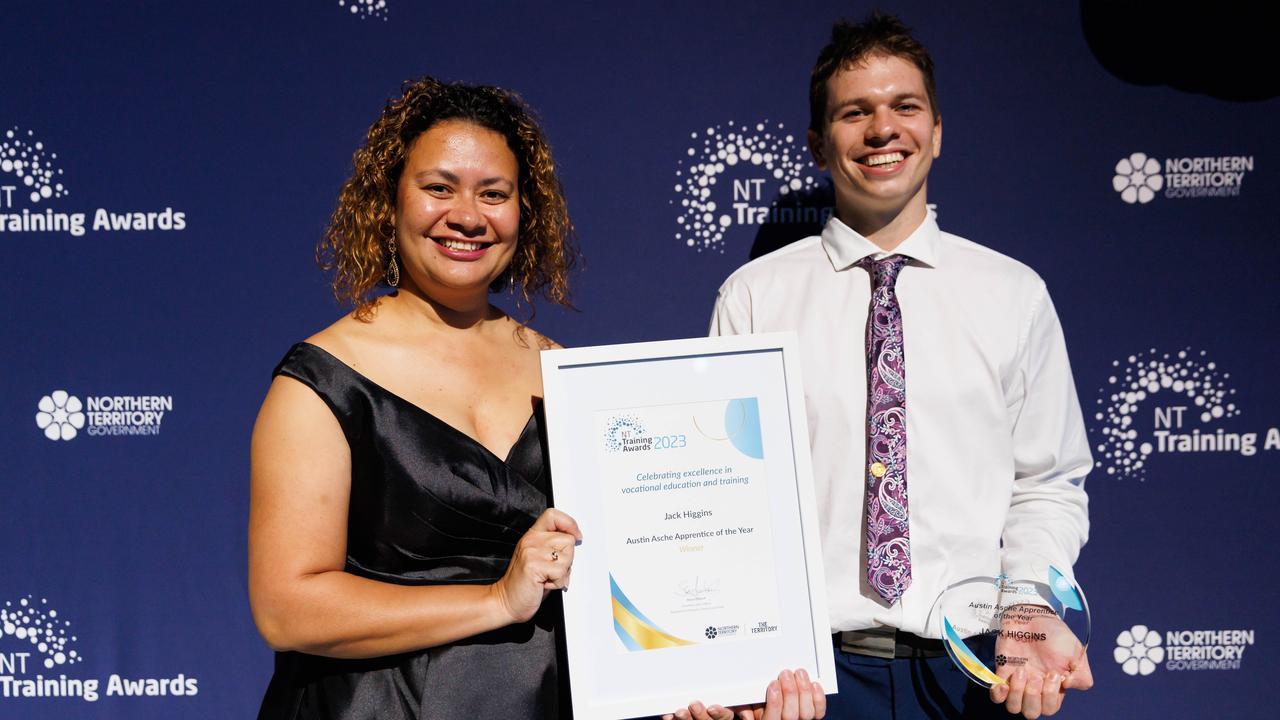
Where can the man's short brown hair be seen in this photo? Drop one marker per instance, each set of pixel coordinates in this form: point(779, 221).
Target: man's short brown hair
point(879, 34)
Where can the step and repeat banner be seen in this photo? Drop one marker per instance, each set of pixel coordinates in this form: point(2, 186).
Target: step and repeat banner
point(166, 169)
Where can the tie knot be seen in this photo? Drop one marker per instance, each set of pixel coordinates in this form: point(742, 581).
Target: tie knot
point(884, 272)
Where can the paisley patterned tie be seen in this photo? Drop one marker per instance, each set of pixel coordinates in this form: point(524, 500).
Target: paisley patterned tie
point(888, 536)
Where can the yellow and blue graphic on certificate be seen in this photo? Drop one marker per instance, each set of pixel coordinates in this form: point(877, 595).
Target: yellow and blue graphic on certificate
point(635, 630)
point(690, 544)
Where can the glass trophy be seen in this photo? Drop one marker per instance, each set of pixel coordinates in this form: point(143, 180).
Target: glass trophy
point(991, 626)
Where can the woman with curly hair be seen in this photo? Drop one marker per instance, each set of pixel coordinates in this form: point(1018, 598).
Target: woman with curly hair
point(402, 558)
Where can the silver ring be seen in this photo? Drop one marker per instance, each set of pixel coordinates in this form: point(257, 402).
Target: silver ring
point(555, 555)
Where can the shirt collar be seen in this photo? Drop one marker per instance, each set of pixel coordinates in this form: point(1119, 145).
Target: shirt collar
point(845, 246)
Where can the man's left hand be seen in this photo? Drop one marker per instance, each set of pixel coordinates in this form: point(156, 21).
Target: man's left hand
point(1038, 673)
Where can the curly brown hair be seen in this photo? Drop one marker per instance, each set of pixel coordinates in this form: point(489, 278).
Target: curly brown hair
point(354, 246)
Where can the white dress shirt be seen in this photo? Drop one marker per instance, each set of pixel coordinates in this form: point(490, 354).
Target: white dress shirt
point(996, 445)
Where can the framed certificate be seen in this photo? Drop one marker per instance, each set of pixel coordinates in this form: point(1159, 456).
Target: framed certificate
point(699, 577)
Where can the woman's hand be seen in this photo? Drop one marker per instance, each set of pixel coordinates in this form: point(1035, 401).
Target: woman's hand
point(542, 562)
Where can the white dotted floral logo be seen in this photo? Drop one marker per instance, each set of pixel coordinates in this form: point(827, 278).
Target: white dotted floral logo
point(1138, 178)
point(39, 625)
point(365, 8)
point(1138, 650)
point(1183, 376)
point(756, 162)
point(60, 415)
point(25, 157)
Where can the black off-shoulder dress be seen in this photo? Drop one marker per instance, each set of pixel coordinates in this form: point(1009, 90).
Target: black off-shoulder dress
point(429, 505)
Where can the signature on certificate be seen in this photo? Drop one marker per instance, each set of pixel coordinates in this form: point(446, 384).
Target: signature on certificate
point(697, 587)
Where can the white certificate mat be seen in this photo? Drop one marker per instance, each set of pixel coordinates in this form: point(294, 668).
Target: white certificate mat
point(686, 465)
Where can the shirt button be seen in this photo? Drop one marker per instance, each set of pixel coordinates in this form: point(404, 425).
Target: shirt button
point(878, 469)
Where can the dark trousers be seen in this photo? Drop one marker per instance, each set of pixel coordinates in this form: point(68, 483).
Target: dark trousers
point(907, 688)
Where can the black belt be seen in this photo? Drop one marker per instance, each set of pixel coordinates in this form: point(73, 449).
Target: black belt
point(888, 643)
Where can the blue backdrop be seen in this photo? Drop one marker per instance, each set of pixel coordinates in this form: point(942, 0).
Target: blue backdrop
point(166, 168)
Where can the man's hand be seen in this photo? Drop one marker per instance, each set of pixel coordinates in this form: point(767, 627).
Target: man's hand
point(1043, 659)
point(791, 697)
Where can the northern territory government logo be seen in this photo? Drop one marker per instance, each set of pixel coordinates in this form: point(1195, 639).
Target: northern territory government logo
point(1169, 403)
point(38, 660)
point(721, 631)
point(742, 175)
point(1139, 178)
point(31, 180)
point(63, 416)
point(1141, 650)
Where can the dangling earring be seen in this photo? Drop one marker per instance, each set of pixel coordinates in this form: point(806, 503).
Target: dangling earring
point(393, 270)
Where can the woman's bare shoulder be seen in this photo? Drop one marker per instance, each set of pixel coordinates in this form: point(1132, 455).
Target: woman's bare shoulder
point(536, 340)
point(348, 339)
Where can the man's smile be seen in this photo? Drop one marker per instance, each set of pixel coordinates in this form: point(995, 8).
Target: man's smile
point(885, 160)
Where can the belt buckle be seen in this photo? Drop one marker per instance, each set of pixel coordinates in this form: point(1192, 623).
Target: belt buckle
point(879, 642)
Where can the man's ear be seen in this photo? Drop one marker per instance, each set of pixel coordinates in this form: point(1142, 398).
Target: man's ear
point(937, 137)
point(817, 150)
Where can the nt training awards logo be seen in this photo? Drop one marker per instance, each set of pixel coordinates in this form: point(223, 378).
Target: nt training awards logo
point(30, 176)
point(1170, 403)
point(756, 163)
point(35, 639)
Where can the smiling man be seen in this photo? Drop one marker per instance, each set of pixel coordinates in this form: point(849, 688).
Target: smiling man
point(946, 434)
